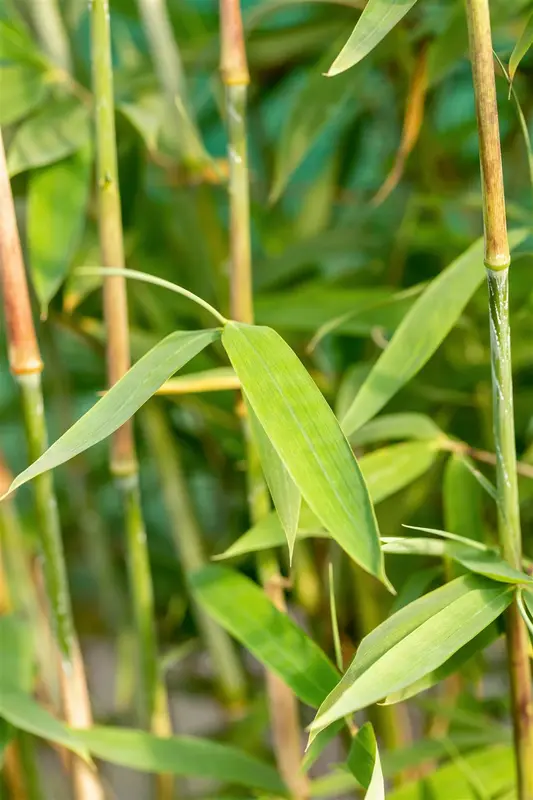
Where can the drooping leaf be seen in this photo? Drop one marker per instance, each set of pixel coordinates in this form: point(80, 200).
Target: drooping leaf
point(307, 437)
point(414, 642)
point(316, 104)
point(122, 400)
point(285, 494)
point(407, 425)
point(378, 18)
point(23, 712)
point(57, 201)
point(420, 333)
point(22, 88)
point(180, 755)
point(521, 47)
point(55, 132)
point(244, 610)
point(364, 763)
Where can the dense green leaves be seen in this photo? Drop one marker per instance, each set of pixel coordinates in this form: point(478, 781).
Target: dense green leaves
point(243, 609)
point(180, 755)
point(59, 129)
point(420, 333)
point(57, 201)
point(23, 89)
point(122, 400)
point(307, 437)
point(415, 641)
point(378, 18)
point(365, 764)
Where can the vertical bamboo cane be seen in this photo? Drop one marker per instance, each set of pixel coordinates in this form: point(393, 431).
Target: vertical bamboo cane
point(497, 261)
point(26, 367)
point(235, 76)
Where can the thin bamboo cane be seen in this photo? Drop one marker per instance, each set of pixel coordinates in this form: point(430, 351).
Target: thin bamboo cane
point(153, 703)
point(235, 76)
point(497, 261)
point(26, 366)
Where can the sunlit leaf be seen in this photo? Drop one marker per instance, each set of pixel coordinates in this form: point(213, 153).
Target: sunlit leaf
point(285, 494)
point(378, 18)
point(122, 400)
point(414, 642)
point(521, 47)
point(395, 426)
point(23, 89)
point(180, 755)
point(420, 333)
point(307, 437)
point(58, 130)
point(244, 610)
point(365, 764)
point(57, 201)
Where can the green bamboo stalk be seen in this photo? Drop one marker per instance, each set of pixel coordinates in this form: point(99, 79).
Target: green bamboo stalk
point(153, 704)
point(51, 32)
point(283, 705)
point(26, 367)
point(169, 70)
point(187, 539)
point(497, 262)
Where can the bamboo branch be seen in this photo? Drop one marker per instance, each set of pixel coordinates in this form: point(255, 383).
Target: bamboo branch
point(497, 260)
point(123, 461)
point(26, 366)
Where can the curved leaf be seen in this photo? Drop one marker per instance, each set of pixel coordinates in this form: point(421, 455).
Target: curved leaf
point(407, 425)
point(521, 47)
point(122, 400)
point(364, 763)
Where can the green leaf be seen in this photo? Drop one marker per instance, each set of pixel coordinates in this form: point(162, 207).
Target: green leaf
point(492, 767)
point(122, 400)
point(364, 763)
point(453, 664)
point(180, 755)
point(244, 610)
point(17, 663)
point(396, 426)
point(315, 106)
point(378, 18)
point(414, 642)
point(285, 494)
point(306, 435)
point(420, 333)
point(147, 116)
point(521, 47)
point(21, 711)
point(58, 130)
point(23, 88)
point(57, 202)
point(17, 44)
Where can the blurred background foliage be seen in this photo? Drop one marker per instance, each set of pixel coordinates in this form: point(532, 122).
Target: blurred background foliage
point(328, 240)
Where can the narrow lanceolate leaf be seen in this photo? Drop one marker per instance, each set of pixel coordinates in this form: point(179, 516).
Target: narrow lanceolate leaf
point(414, 642)
point(378, 18)
point(420, 333)
point(285, 494)
point(407, 425)
point(522, 46)
point(23, 712)
point(364, 763)
point(244, 610)
point(180, 755)
point(56, 131)
point(57, 201)
point(122, 400)
point(307, 437)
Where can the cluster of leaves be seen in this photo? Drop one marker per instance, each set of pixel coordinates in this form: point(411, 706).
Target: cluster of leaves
point(380, 294)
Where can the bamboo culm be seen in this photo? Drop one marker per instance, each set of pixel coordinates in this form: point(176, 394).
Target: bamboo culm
point(497, 262)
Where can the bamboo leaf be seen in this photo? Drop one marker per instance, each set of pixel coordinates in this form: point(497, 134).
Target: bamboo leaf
point(243, 609)
point(521, 47)
point(285, 494)
point(180, 755)
point(122, 400)
point(420, 333)
point(17, 663)
point(364, 763)
point(378, 18)
point(21, 711)
point(57, 131)
point(414, 642)
point(57, 201)
point(307, 437)
point(23, 89)
point(395, 426)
